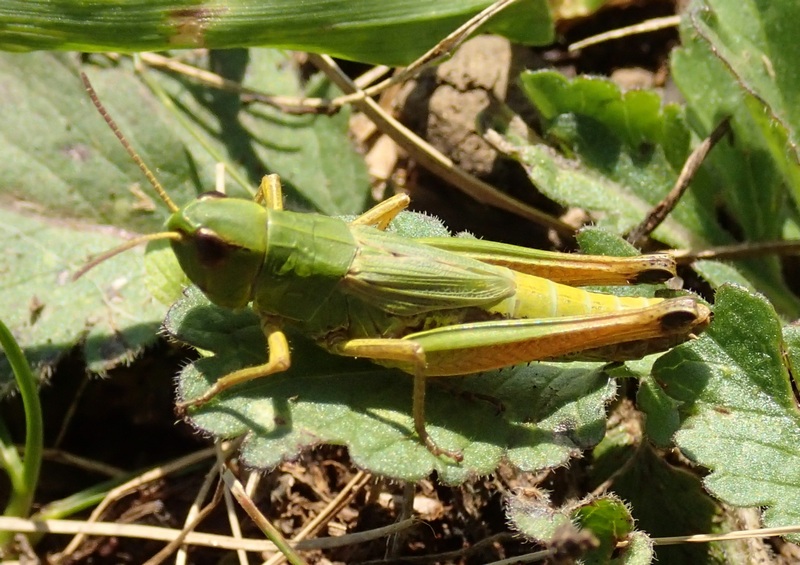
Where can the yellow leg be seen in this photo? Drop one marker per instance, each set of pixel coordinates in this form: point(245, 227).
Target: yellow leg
point(383, 213)
point(408, 352)
point(270, 192)
point(279, 361)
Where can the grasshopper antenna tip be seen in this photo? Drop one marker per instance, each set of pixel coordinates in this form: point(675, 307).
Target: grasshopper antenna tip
point(135, 156)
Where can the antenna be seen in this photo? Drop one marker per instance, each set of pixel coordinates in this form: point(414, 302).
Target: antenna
point(150, 177)
point(103, 257)
point(135, 156)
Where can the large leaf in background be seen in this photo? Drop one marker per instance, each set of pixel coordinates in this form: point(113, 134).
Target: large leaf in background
point(740, 59)
point(620, 154)
point(319, 168)
point(755, 169)
point(391, 33)
point(65, 177)
point(69, 190)
point(730, 392)
point(109, 309)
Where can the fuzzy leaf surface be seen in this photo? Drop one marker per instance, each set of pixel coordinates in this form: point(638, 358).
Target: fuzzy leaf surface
point(617, 154)
point(731, 393)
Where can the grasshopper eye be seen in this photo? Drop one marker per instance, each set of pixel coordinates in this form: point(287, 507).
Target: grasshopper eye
point(211, 249)
point(212, 194)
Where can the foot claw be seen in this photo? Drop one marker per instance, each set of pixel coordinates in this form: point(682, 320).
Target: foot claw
point(437, 451)
point(183, 407)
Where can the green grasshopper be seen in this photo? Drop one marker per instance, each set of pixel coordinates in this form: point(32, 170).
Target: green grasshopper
point(431, 307)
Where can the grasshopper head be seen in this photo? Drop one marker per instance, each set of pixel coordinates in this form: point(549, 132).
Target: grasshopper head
point(222, 246)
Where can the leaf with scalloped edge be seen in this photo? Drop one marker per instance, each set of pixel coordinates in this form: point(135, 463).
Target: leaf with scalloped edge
point(588, 530)
point(731, 395)
point(617, 154)
point(536, 416)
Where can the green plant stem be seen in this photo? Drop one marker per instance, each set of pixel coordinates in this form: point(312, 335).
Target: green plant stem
point(23, 475)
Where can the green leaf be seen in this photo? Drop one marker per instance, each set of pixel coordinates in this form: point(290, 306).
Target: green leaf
point(738, 61)
point(549, 412)
point(164, 279)
point(62, 187)
point(319, 168)
point(610, 521)
point(661, 410)
point(533, 515)
point(597, 241)
point(71, 191)
point(619, 154)
point(663, 499)
point(589, 529)
point(748, 54)
point(623, 153)
point(739, 416)
point(414, 224)
point(718, 273)
point(375, 31)
point(108, 309)
point(639, 551)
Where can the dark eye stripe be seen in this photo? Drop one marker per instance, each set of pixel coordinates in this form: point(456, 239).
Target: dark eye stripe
point(211, 249)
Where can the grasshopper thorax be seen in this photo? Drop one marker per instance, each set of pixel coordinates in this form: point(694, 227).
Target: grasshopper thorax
point(222, 246)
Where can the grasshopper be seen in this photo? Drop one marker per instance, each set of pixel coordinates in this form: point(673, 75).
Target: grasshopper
point(431, 307)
